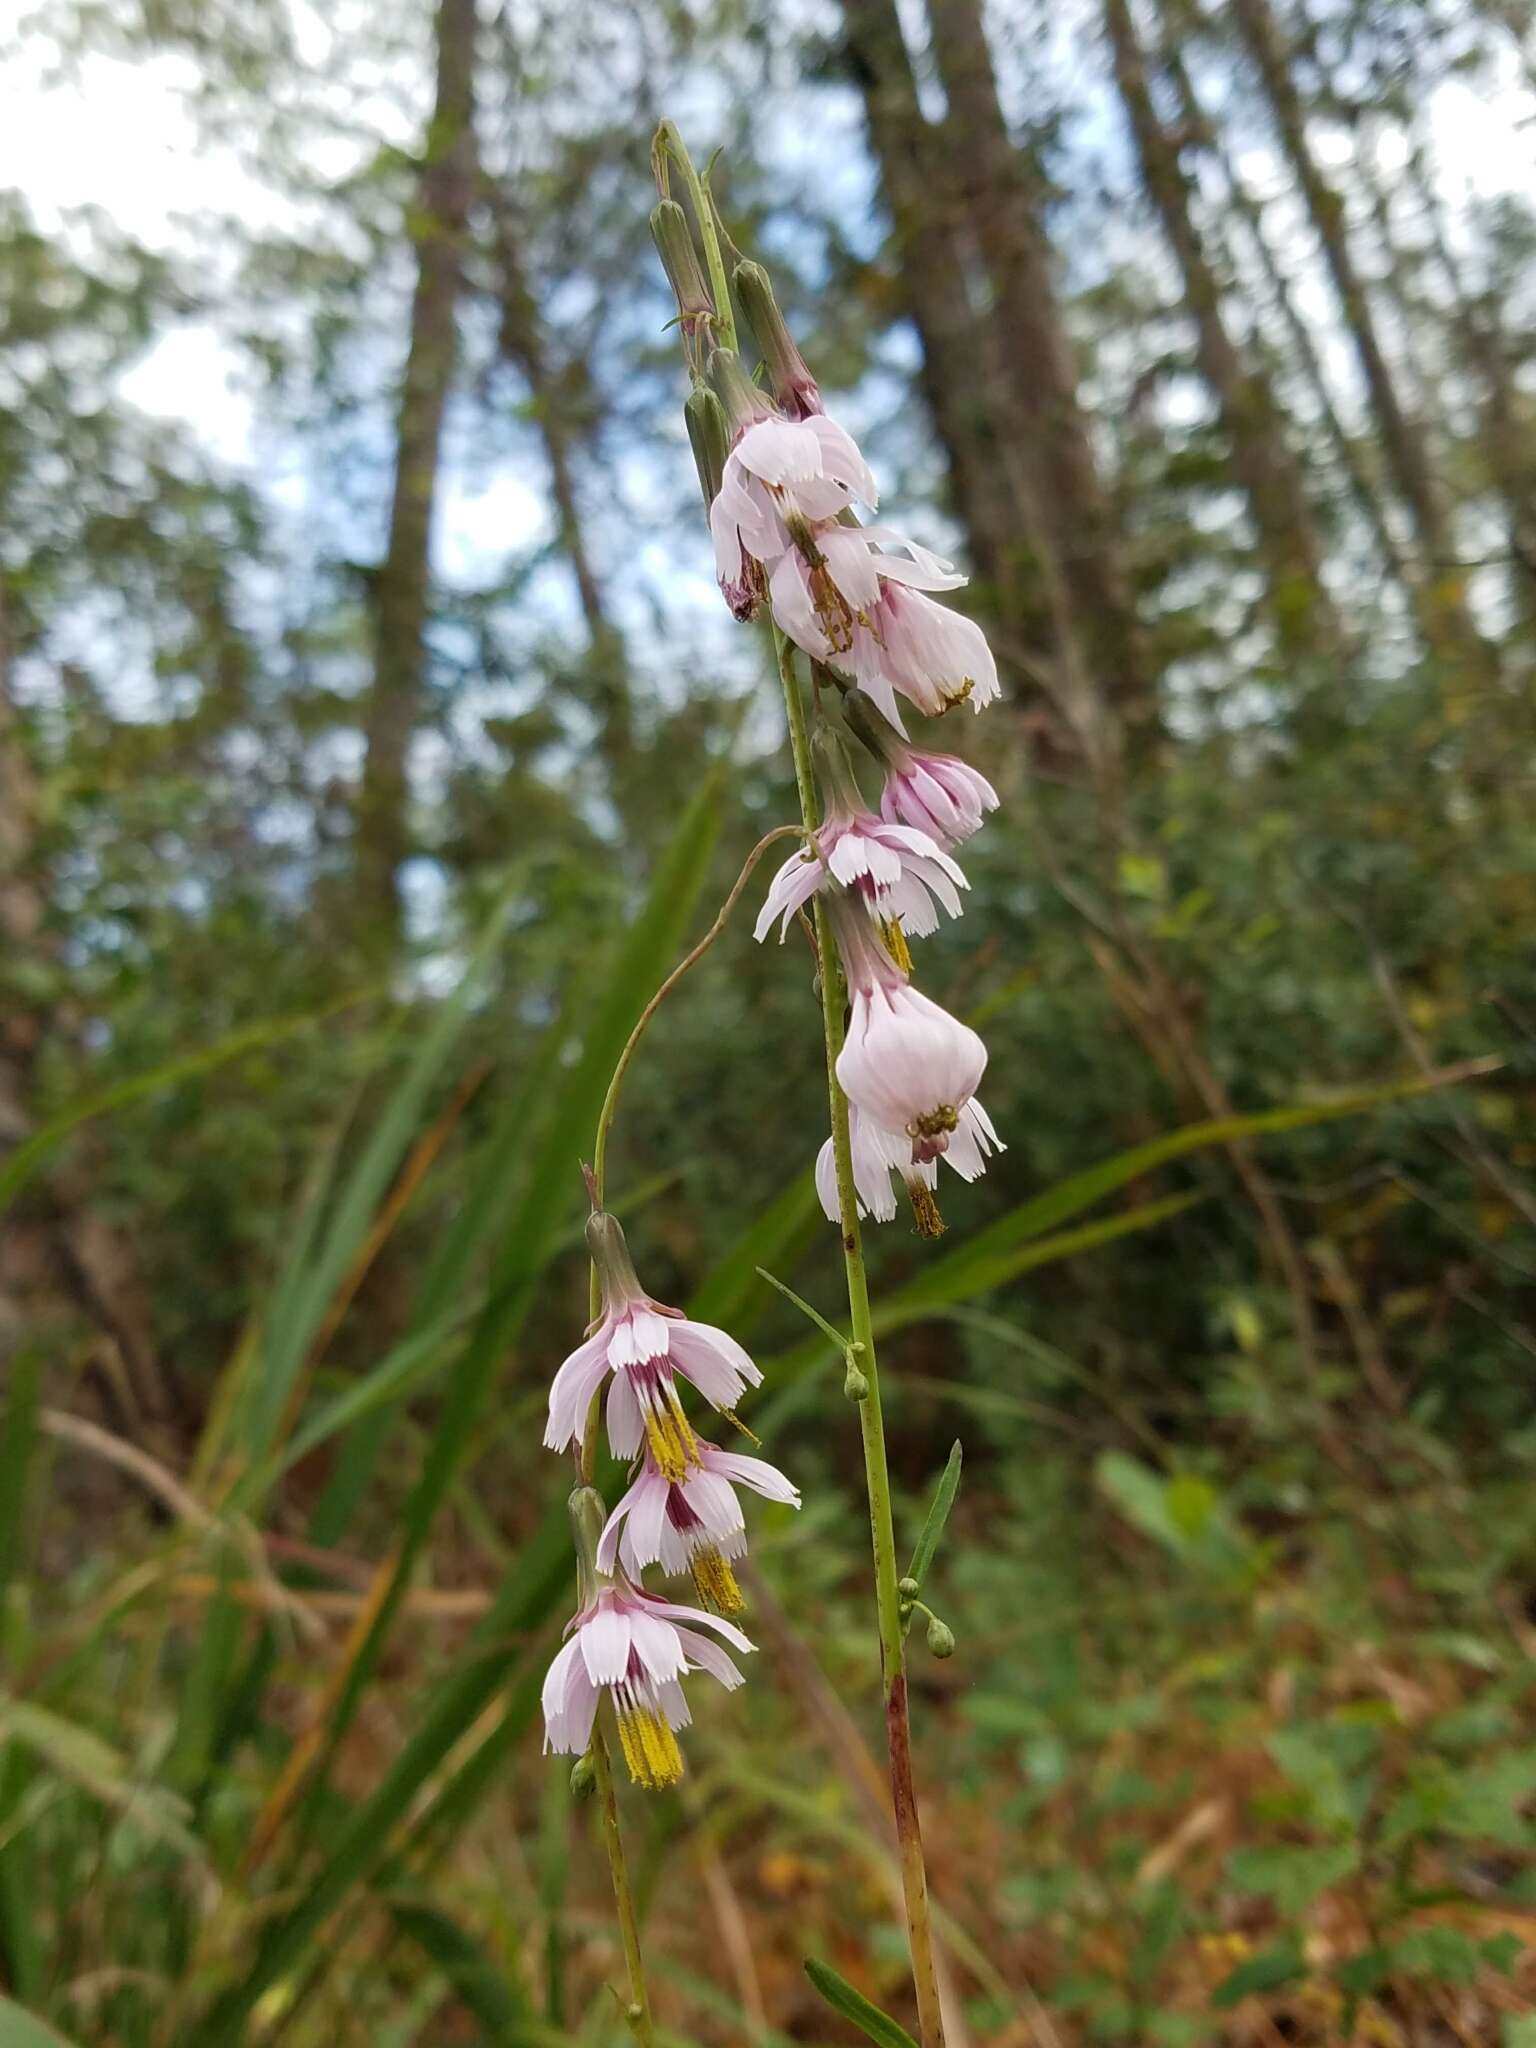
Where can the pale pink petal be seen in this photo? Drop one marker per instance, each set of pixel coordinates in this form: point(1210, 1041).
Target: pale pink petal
point(571, 1391)
point(757, 1473)
point(658, 1645)
point(626, 1424)
point(642, 1507)
point(700, 1617)
point(639, 1335)
point(840, 458)
point(674, 1705)
point(851, 564)
point(793, 886)
point(780, 452)
point(570, 1704)
point(704, 1655)
point(604, 1640)
point(790, 596)
point(711, 1496)
point(715, 1362)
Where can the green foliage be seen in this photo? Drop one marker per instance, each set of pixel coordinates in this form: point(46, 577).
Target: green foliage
point(874, 2024)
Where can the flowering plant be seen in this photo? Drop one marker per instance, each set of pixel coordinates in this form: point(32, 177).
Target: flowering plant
point(782, 483)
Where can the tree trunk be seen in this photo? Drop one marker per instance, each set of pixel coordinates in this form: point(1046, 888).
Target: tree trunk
point(1261, 458)
point(1201, 131)
point(1442, 612)
point(402, 586)
point(997, 205)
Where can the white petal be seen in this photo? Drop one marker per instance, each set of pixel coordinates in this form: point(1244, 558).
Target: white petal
point(604, 1640)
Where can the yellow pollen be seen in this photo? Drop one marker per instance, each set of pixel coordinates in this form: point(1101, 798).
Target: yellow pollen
point(673, 1443)
point(895, 940)
point(954, 697)
point(736, 1423)
point(650, 1748)
point(925, 1210)
point(942, 1117)
point(716, 1582)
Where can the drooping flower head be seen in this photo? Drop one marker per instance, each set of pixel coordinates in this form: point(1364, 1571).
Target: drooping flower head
point(906, 1063)
point(877, 1155)
point(934, 793)
point(645, 1346)
point(896, 872)
point(694, 1524)
point(637, 1649)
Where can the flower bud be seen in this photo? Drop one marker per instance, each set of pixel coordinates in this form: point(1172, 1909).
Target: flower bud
point(709, 435)
point(941, 1638)
point(855, 1385)
point(793, 385)
point(583, 1778)
point(674, 244)
point(908, 1588)
point(744, 404)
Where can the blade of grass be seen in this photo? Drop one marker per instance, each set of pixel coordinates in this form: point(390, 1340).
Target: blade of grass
point(876, 2025)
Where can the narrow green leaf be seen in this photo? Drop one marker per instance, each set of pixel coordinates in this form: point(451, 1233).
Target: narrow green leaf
point(964, 1272)
point(938, 1515)
point(80, 1756)
point(22, 2029)
point(35, 1151)
point(853, 2005)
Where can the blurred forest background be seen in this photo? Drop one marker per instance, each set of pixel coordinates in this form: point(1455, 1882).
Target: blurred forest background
point(372, 737)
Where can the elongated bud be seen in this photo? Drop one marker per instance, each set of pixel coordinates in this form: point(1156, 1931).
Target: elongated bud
point(793, 385)
point(674, 244)
point(709, 436)
point(610, 1254)
point(941, 1637)
point(588, 1512)
point(876, 731)
point(834, 771)
point(744, 404)
point(583, 1778)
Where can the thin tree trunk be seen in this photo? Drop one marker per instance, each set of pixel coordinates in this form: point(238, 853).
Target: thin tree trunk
point(998, 205)
point(1442, 613)
point(962, 401)
point(402, 588)
point(1261, 458)
point(1246, 208)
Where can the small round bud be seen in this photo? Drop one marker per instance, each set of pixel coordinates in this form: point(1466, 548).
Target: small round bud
point(908, 1588)
point(855, 1385)
point(583, 1778)
point(634, 2014)
point(941, 1637)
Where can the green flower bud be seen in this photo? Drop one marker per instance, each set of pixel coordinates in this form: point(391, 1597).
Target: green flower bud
point(674, 244)
point(941, 1638)
point(908, 1589)
point(583, 1778)
point(855, 1386)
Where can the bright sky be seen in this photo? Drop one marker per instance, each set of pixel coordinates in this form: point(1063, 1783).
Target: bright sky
point(120, 136)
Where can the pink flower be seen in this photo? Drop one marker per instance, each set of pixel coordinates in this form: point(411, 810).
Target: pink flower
point(920, 650)
point(644, 1345)
point(877, 1154)
point(907, 1064)
point(638, 1649)
point(694, 1524)
point(785, 478)
point(939, 795)
point(831, 584)
point(895, 872)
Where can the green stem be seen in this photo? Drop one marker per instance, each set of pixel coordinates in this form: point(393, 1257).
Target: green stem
point(669, 141)
point(639, 2015)
point(877, 1478)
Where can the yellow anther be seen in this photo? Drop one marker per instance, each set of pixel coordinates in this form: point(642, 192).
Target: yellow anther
point(650, 1748)
point(925, 1209)
point(895, 940)
point(716, 1582)
point(674, 1447)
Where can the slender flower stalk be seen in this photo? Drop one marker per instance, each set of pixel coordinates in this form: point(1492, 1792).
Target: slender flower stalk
point(914, 1872)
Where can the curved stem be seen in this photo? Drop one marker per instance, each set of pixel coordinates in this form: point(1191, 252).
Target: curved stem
point(914, 1875)
point(639, 2015)
point(610, 1100)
